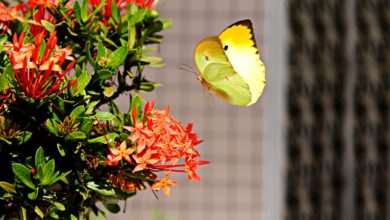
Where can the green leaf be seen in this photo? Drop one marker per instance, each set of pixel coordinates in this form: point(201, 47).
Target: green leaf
point(104, 192)
point(61, 150)
point(39, 157)
point(33, 195)
point(148, 86)
point(112, 207)
point(102, 140)
point(84, 11)
point(113, 108)
point(59, 206)
point(23, 174)
point(152, 60)
point(48, 25)
point(101, 51)
point(6, 141)
point(117, 57)
point(77, 12)
point(3, 82)
point(105, 74)
point(132, 33)
point(42, 49)
point(26, 135)
point(104, 116)
point(135, 14)
point(74, 136)
point(3, 38)
point(48, 171)
point(115, 12)
point(86, 125)
point(7, 187)
point(39, 212)
point(90, 107)
point(78, 111)
point(52, 126)
point(167, 23)
point(72, 217)
point(40, 173)
point(97, 9)
point(83, 78)
point(60, 177)
point(23, 213)
point(89, 55)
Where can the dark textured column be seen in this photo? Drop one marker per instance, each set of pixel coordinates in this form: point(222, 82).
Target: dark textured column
point(317, 70)
point(372, 112)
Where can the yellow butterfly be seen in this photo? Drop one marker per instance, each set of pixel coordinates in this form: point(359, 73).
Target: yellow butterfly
point(230, 65)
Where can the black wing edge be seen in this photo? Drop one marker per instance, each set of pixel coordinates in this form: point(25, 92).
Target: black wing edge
point(246, 23)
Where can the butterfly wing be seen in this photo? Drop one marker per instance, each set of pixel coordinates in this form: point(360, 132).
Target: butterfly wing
point(227, 84)
point(218, 73)
point(240, 48)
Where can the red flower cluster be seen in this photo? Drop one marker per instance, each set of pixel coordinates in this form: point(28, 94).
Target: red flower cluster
point(39, 75)
point(161, 144)
point(6, 16)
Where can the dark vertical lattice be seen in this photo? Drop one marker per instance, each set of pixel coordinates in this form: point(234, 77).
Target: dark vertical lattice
point(317, 70)
point(372, 111)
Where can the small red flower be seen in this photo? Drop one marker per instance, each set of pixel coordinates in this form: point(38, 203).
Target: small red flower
point(164, 184)
point(120, 152)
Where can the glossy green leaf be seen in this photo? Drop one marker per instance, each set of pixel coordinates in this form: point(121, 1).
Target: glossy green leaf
point(77, 12)
point(48, 171)
point(74, 136)
point(91, 107)
point(3, 82)
point(59, 206)
point(148, 86)
point(117, 57)
point(33, 195)
point(39, 212)
point(115, 12)
point(132, 33)
point(25, 136)
point(102, 140)
point(83, 78)
point(104, 192)
point(101, 51)
point(136, 14)
point(167, 23)
point(78, 111)
point(104, 116)
point(52, 126)
point(48, 25)
point(84, 11)
point(61, 150)
point(86, 126)
point(23, 174)
point(39, 157)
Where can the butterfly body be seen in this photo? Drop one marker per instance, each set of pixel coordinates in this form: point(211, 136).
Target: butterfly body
point(230, 66)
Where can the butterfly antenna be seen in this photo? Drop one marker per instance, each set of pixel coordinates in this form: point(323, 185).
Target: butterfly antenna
point(186, 68)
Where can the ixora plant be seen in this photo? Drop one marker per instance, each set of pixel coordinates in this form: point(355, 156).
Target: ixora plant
point(60, 153)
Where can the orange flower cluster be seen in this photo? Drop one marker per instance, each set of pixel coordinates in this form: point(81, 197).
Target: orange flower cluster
point(6, 16)
point(39, 75)
point(161, 143)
